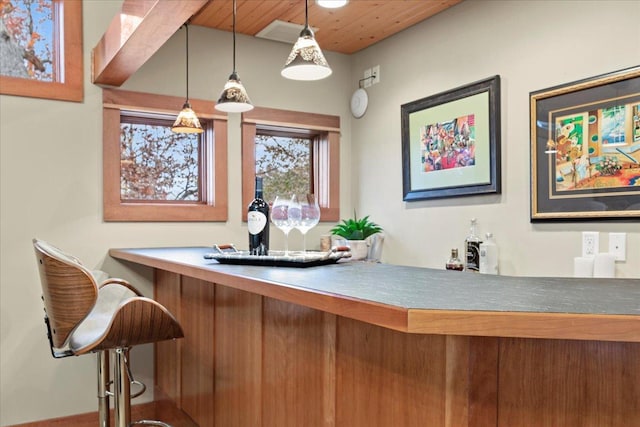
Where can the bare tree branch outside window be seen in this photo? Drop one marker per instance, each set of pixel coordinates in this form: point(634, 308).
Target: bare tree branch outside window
point(27, 45)
point(284, 163)
point(157, 164)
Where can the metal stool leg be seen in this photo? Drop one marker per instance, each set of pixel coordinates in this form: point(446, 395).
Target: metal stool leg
point(122, 380)
point(122, 389)
point(103, 388)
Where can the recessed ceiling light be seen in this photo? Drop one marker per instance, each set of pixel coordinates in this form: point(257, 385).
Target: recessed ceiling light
point(332, 4)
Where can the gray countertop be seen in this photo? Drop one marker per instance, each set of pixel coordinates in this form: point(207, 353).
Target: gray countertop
point(425, 289)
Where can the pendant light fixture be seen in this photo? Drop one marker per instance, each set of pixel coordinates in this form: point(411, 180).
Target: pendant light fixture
point(187, 121)
point(234, 98)
point(306, 61)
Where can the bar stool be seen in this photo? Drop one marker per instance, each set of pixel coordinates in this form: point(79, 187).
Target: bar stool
point(84, 316)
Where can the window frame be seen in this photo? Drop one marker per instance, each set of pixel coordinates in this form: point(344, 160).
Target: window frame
point(215, 198)
point(71, 88)
point(325, 154)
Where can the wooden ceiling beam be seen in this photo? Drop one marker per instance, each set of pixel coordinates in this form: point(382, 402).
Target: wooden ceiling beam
point(135, 34)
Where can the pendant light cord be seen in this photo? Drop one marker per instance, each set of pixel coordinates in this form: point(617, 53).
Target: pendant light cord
point(234, 36)
point(186, 27)
point(306, 13)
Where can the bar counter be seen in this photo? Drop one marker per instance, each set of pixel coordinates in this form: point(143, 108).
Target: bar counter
point(355, 344)
point(420, 300)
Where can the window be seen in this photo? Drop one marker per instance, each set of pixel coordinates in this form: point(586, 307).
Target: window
point(153, 174)
point(42, 49)
point(296, 152)
point(159, 164)
point(283, 160)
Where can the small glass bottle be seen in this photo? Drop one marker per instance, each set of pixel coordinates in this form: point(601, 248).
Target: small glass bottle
point(472, 249)
point(489, 256)
point(454, 262)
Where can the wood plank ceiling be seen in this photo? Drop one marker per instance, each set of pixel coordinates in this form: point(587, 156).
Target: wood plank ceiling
point(348, 29)
point(142, 27)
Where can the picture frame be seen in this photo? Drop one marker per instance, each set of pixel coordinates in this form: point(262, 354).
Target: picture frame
point(585, 149)
point(451, 143)
point(67, 81)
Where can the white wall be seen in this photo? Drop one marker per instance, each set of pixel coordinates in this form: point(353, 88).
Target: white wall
point(532, 45)
point(52, 189)
point(51, 175)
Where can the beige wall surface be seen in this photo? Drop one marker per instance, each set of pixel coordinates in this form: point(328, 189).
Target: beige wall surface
point(52, 189)
point(532, 45)
point(51, 173)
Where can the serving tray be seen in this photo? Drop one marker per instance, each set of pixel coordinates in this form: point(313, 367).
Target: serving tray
point(279, 259)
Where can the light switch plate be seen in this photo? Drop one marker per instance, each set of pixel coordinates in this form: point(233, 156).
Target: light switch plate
point(618, 245)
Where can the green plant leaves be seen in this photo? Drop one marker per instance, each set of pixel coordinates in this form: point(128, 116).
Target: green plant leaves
point(356, 229)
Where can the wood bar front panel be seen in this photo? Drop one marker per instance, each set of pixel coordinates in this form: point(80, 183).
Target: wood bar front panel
point(471, 389)
point(238, 357)
point(167, 353)
point(253, 361)
point(569, 383)
point(198, 350)
point(388, 378)
point(297, 366)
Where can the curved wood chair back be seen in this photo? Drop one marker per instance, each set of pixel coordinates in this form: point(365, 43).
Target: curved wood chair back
point(68, 290)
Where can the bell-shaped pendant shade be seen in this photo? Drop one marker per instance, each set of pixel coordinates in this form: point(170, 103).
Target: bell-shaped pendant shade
point(187, 121)
point(234, 98)
point(306, 61)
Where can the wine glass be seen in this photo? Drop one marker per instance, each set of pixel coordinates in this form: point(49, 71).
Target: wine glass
point(309, 216)
point(280, 218)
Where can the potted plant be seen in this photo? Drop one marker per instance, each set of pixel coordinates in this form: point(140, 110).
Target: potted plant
point(358, 234)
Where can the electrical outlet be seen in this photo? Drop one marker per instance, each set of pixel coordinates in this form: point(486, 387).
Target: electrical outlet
point(618, 245)
point(590, 243)
point(367, 77)
point(375, 73)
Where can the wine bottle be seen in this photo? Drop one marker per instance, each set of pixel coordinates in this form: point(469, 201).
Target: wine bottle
point(258, 223)
point(472, 249)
